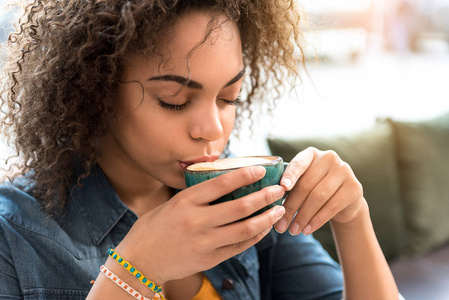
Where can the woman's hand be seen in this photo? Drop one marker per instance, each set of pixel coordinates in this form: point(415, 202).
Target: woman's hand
point(186, 235)
point(323, 187)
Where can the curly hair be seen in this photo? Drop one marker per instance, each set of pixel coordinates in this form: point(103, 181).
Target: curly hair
point(65, 61)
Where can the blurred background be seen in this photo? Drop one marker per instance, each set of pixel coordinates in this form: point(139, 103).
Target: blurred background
point(367, 59)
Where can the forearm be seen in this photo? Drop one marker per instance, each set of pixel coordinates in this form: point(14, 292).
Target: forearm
point(366, 272)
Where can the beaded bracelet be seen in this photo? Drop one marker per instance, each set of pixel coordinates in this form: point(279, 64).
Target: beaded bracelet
point(122, 284)
point(144, 280)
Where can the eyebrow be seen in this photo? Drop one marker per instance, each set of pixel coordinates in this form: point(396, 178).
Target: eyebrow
point(192, 83)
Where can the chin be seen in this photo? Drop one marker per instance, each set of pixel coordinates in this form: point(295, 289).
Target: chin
point(177, 184)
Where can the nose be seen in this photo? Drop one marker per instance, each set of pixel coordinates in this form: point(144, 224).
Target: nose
point(207, 124)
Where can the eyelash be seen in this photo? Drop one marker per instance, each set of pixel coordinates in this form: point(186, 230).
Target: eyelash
point(172, 106)
point(175, 107)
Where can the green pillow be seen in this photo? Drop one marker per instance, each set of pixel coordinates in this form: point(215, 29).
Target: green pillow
point(371, 155)
point(423, 156)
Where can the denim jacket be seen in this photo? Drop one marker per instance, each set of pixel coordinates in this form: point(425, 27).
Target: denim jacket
point(56, 258)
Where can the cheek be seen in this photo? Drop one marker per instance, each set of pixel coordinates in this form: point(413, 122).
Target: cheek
point(228, 121)
point(164, 132)
point(140, 127)
point(154, 128)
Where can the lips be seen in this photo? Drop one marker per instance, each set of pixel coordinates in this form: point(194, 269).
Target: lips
point(185, 164)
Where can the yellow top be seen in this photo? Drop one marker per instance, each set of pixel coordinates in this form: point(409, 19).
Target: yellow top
point(207, 291)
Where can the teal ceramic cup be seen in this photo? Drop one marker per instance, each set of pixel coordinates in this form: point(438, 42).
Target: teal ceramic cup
point(274, 166)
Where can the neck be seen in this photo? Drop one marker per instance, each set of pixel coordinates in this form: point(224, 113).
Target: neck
point(145, 202)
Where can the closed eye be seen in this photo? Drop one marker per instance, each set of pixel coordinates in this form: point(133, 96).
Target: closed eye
point(179, 107)
point(175, 107)
point(234, 102)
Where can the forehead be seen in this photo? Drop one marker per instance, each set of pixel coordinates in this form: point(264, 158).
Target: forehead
point(195, 29)
point(196, 37)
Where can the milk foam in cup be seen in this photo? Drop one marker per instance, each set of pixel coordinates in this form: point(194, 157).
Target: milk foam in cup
point(229, 163)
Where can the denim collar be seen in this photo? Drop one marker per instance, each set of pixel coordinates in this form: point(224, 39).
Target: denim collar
point(98, 204)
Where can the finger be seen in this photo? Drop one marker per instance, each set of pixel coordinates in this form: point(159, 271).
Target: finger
point(217, 187)
point(297, 166)
point(231, 211)
point(337, 203)
point(308, 181)
point(229, 251)
point(315, 201)
point(242, 231)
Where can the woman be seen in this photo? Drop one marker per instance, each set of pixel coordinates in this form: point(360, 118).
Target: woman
point(108, 101)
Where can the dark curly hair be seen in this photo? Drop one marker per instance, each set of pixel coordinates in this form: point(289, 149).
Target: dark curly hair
point(66, 57)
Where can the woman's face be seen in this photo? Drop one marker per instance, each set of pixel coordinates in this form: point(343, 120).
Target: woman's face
point(165, 124)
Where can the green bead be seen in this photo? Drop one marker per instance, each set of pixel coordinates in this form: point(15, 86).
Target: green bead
point(138, 275)
point(144, 280)
point(150, 285)
point(132, 270)
point(120, 259)
point(125, 265)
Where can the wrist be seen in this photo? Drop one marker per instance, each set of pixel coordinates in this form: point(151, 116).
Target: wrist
point(125, 276)
point(147, 269)
point(356, 220)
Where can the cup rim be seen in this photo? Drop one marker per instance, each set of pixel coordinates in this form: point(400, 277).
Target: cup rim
point(271, 162)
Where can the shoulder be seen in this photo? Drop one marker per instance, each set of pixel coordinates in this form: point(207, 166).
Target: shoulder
point(24, 223)
point(33, 246)
point(15, 201)
point(19, 207)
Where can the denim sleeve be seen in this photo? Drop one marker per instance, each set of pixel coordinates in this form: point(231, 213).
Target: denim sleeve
point(9, 285)
point(302, 269)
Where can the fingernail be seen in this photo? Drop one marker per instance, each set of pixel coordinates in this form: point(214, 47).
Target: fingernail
point(287, 182)
point(279, 211)
point(294, 229)
point(279, 192)
point(281, 226)
point(307, 229)
point(266, 230)
point(259, 171)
